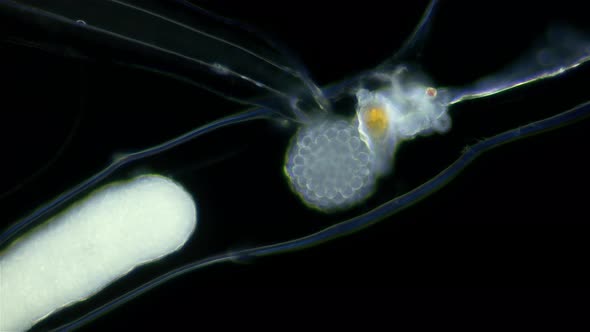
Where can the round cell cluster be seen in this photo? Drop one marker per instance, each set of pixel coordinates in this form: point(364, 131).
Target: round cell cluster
point(329, 166)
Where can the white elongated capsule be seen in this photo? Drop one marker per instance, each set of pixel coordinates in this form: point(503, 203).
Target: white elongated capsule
point(91, 244)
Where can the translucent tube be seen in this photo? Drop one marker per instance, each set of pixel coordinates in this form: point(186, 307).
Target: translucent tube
point(170, 39)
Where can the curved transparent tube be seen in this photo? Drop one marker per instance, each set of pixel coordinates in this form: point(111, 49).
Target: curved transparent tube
point(377, 209)
point(122, 161)
point(560, 50)
point(178, 43)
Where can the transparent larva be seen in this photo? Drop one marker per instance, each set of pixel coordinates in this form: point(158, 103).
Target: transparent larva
point(399, 129)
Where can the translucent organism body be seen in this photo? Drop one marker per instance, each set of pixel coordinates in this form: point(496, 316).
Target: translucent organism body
point(332, 162)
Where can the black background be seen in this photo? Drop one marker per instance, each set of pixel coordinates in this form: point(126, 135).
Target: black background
point(516, 217)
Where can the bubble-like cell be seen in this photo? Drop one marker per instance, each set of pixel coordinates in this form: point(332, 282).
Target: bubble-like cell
point(329, 166)
point(305, 141)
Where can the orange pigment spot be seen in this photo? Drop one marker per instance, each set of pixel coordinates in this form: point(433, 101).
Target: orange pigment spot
point(431, 92)
point(376, 121)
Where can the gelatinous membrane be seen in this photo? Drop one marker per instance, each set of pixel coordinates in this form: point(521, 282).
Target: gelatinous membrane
point(237, 174)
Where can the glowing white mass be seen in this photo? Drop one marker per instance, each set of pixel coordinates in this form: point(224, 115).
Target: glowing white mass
point(91, 244)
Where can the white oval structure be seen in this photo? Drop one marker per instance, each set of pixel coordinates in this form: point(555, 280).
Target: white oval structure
point(91, 244)
point(329, 166)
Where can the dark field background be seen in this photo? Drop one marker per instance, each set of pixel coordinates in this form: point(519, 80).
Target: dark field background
point(516, 217)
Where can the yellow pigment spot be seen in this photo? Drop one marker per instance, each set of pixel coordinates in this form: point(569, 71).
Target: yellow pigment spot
point(376, 121)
